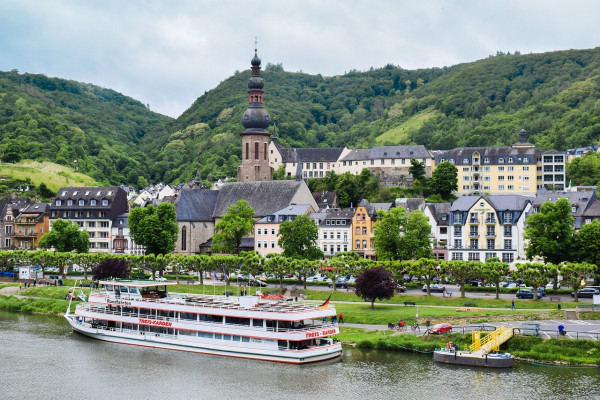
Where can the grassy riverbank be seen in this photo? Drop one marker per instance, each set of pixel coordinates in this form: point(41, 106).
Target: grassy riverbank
point(561, 351)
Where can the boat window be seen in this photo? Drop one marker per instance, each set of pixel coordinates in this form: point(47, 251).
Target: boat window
point(236, 338)
point(226, 337)
point(188, 316)
point(257, 322)
point(237, 321)
point(109, 288)
point(218, 336)
point(205, 335)
point(245, 339)
point(124, 289)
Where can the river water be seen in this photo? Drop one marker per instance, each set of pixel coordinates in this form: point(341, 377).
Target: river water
point(43, 359)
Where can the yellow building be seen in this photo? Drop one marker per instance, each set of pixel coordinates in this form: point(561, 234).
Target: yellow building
point(517, 169)
point(362, 224)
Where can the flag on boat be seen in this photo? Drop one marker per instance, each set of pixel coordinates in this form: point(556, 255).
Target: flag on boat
point(251, 277)
point(240, 276)
point(324, 305)
point(216, 277)
point(262, 277)
point(81, 295)
point(72, 295)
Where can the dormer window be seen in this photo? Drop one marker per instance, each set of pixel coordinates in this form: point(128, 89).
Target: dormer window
point(465, 160)
point(87, 193)
point(69, 202)
point(110, 192)
point(104, 202)
point(81, 202)
point(58, 202)
point(510, 159)
point(573, 208)
point(64, 193)
point(99, 193)
point(93, 202)
point(525, 159)
point(501, 160)
point(451, 161)
point(75, 193)
point(486, 160)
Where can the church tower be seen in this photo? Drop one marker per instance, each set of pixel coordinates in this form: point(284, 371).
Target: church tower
point(255, 139)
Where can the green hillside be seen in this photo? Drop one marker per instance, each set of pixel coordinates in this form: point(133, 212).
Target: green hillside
point(53, 175)
point(553, 96)
point(57, 120)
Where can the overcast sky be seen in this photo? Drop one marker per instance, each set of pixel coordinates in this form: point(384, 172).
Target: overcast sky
point(168, 53)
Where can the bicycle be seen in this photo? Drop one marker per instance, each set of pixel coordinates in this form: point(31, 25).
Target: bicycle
point(415, 326)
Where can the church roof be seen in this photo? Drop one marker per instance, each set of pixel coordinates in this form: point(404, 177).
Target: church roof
point(196, 204)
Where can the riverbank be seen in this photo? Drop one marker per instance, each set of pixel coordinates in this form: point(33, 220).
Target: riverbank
point(561, 351)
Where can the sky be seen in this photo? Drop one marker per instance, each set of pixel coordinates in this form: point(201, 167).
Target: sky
point(168, 53)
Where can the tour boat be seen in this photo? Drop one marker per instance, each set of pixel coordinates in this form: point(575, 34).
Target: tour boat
point(142, 312)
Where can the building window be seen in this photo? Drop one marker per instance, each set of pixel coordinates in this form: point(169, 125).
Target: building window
point(491, 244)
point(258, 244)
point(364, 231)
point(69, 202)
point(256, 150)
point(183, 239)
point(357, 245)
point(510, 169)
point(272, 244)
point(508, 230)
point(272, 231)
point(500, 187)
point(474, 244)
point(258, 231)
point(508, 257)
point(473, 256)
point(458, 231)
point(265, 151)
point(507, 244)
point(81, 202)
point(501, 160)
point(364, 243)
point(458, 243)
point(104, 202)
point(457, 256)
point(325, 235)
point(93, 202)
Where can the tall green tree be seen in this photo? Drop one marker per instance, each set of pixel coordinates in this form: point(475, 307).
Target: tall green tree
point(417, 170)
point(549, 233)
point(444, 179)
point(154, 227)
point(587, 243)
point(298, 238)
point(398, 236)
point(534, 275)
point(346, 190)
point(65, 236)
point(461, 271)
point(235, 224)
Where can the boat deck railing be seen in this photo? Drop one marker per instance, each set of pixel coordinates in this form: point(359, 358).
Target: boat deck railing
point(104, 310)
point(223, 302)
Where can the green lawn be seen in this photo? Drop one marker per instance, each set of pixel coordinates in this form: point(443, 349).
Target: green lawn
point(53, 175)
point(399, 133)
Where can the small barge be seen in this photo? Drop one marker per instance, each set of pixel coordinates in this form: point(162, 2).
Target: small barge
point(480, 353)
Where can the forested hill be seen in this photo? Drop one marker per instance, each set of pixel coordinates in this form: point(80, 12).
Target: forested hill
point(115, 139)
point(554, 96)
point(61, 121)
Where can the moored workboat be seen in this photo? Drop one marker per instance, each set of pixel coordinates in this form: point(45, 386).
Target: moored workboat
point(144, 313)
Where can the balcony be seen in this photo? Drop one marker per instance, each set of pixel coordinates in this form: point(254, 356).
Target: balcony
point(508, 222)
point(490, 234)
point(473, 248)
point(473, 220)
point(457, 222)
point(490, 221)
point(473, 234)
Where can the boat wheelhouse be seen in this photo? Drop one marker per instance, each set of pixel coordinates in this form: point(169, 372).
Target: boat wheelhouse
point(144, 313)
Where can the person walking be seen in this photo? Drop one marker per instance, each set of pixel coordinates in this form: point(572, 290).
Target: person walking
point(513, 305)
point(341, 318)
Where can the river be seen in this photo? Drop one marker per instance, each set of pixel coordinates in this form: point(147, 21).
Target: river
point(43, 359)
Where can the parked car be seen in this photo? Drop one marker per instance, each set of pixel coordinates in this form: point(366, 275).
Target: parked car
point(435, 288)
point(586, 292)
point(510, 285)
point(400, 288)
point(440, 328)
point(312, 279)
point(158, 279)
point(525, 293)
point(340, 283)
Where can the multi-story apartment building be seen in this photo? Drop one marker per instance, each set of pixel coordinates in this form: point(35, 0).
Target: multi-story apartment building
point(29, 226)
point(363, 223)
point(94, 209)
point(335, 232)
point(482, 227)
point(313, 162)
point(266, 229)
point(517, 169)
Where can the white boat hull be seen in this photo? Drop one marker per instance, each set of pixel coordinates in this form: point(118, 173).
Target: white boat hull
point(306, 356)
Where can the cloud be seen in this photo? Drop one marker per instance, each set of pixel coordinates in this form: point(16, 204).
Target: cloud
point(167, 54)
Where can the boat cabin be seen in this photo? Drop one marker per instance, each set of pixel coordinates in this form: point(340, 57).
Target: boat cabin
point(135, 289)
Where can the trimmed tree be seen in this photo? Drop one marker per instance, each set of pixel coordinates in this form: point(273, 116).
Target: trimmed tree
point(574, 275)
point(494, 271)
point(375, 283)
